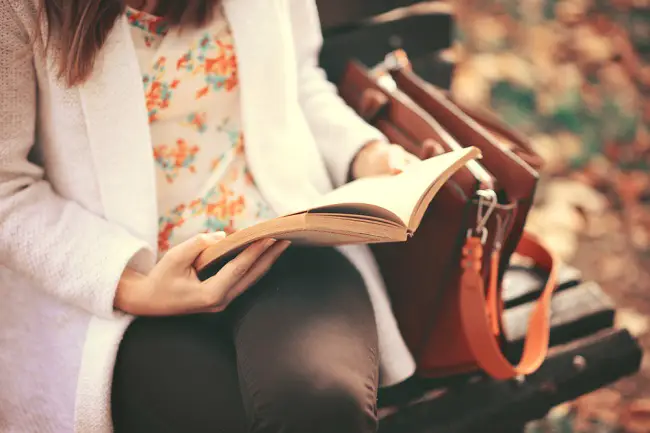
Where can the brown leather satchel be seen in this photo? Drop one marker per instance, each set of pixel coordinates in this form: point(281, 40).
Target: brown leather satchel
point(445, 282)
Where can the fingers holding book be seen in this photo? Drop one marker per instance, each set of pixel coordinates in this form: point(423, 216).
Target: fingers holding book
point(398, 159)
point(174, 288)
point(381, 158)
point(242, 272)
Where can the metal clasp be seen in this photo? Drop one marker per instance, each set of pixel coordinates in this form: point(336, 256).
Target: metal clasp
point(393, 61)
point(487, 203)
point(396, 60)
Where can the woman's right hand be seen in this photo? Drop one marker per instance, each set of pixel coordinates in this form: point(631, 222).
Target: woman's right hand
point(173, 287)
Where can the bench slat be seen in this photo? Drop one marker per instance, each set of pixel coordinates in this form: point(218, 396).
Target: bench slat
point(522, 284)
point(473, 406)
point(434, 68)
point(576, 312)
point(418, 34)
point(336, 13)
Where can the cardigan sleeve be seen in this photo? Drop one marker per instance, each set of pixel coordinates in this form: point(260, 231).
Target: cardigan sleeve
point(338, 130)
point(63, 248)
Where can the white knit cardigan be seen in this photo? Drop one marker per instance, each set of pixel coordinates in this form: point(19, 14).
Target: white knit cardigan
point(77, 198)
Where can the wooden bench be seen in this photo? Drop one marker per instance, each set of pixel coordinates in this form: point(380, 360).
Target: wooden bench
point(587, 354)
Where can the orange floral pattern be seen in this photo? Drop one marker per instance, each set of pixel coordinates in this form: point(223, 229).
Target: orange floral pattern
point(174, 159)
point(158, 92)
point(192, 99)
point(150, 24)
point(215, 60)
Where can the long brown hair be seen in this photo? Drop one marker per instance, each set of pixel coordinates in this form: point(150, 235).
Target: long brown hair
point(78, 28)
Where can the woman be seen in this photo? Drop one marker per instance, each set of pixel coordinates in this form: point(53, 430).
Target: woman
point(131, 135)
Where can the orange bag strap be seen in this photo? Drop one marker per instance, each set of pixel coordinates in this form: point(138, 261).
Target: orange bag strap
point(478, 315)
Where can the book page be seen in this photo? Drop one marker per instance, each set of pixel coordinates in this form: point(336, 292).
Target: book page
point(401, 194)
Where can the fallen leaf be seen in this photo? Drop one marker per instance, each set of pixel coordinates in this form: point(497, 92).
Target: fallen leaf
point(557, 216)
point(645, 365)
point(636, 323)
point(470, 86)
point(548, 149)
point(601, 225)
point(612, 267)
point(576, 194)
point(599, 405)
point(569, 12)
point(640, 237)
point(636, 418)
point(563, 243)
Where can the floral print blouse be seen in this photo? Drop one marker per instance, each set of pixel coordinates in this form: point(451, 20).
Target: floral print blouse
point(192, 94)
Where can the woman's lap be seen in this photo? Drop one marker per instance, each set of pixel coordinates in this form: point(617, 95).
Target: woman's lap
point(297, 352)
point(172, 374)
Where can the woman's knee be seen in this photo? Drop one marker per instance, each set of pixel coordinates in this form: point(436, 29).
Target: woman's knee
point(316, 405)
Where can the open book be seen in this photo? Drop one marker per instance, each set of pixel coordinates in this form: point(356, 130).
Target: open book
point(367, 210)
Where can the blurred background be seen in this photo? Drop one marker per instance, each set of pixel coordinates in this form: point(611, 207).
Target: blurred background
point(575, 76)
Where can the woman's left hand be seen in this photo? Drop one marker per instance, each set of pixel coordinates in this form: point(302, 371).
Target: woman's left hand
point(379, 158)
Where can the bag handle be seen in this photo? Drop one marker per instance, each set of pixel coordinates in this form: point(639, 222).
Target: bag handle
point(483, 124)
point(398, 64)
point(520, 144)
point(475, 311)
